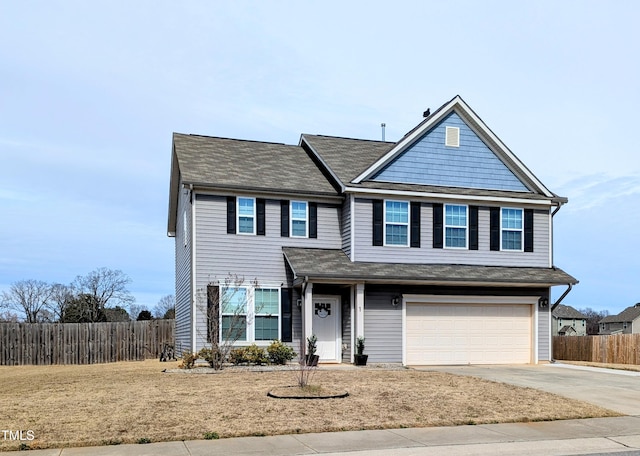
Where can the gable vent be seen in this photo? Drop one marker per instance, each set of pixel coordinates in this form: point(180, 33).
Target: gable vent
point(452, 138)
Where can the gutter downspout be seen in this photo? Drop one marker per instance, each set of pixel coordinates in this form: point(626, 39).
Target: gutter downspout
point(566, 292)
point(570, 286)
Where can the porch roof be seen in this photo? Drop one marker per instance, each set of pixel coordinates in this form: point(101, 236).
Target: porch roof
point(333, 265)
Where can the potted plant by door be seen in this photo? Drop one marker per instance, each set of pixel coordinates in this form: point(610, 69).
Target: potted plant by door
point(360, 358)
point(311, 358)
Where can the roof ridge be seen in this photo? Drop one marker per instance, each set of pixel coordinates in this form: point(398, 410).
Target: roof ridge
point(195, 135)
point(350, 139)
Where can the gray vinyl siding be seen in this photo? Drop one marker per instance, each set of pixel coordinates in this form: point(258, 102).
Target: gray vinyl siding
point(345, 226)
point(382, 328)
point(183, 334)
point(365, 251)
point(253, 257)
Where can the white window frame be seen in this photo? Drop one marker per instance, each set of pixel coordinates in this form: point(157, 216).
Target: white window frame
point(224, 314)
point(264, 314)
point(253, 216)
point(502, 230)
point(251, 314)
point(445, 226)
point(306, 219)
point(384, 223)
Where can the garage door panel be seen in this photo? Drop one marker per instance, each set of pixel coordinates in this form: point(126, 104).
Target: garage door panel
point(468, 333)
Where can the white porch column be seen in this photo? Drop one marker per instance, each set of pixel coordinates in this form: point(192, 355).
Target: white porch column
point(307, 313)
point(359, 309)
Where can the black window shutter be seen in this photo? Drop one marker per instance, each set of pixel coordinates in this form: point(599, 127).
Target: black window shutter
point(286, 307)
point(231, 214)
point(313, 220)
point(415, 224)
point(377, 222)
point(260, 212)
point(284, 218)
point(438, 228)
point(213, 307)
point(473, 227)
point(494, 228)
point(528, 230)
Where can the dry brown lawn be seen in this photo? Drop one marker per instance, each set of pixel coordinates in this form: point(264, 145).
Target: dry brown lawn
point(124, 402)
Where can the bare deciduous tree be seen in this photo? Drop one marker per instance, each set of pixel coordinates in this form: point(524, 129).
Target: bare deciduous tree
point(30, 297)
point(8, 316)
point(593, 319)
point(61, 295)
point(166, 307)
point(107, 286)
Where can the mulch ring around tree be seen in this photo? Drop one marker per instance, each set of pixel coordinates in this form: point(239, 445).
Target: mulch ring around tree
point(306, 392)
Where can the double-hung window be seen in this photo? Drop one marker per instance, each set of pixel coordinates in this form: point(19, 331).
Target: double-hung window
point(250, 314)
point(299, 219)
point(267, 305)
point(455, 226)
point(246, 216)
point(396, 223)
point(234, 303)
point(511, 229)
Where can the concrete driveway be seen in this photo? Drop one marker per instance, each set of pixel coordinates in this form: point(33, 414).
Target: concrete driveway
point(613, 389)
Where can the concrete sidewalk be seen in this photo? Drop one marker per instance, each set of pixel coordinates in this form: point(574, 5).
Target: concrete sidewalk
point(596, 435)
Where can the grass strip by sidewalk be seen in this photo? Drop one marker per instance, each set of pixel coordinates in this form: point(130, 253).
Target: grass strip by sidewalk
point(127, 402)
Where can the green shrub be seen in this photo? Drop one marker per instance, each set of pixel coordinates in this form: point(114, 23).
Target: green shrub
point(188, 359)
point(256, 355)
point(143, 440)
point(213, 357)
point(238, 356)
point(280, 353)
point(211, 436)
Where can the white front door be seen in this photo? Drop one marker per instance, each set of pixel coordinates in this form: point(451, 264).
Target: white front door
point(326, 327)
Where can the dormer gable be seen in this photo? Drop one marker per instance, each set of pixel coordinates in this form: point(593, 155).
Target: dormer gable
point(453, 148)
point(450, 154)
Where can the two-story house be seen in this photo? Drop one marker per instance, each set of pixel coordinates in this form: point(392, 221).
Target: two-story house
point(626, 322)
point(438, 248)
point(567, 321)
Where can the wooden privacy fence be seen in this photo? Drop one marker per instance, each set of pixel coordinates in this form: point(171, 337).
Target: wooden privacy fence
point(83, 343)
point(614, 349)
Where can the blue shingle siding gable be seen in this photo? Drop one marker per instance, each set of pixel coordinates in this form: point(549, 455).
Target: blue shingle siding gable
point(471, 165)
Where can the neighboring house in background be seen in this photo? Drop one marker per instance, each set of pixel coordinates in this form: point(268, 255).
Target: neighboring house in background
point(626, 322)
point(437, 248)
point(567, 321)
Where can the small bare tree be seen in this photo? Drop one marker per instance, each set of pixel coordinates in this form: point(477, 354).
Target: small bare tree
point(306, 367)
point(30, 297)
point(225, 303)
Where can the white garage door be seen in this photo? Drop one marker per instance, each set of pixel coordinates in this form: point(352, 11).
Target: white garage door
point(468, 334)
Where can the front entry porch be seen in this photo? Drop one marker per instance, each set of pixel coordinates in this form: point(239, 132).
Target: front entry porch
point(331, 313)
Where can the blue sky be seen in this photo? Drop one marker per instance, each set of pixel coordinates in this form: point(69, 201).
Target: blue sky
point(90, 93)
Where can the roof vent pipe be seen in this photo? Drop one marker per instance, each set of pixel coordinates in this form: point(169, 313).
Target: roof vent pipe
point(383, 125)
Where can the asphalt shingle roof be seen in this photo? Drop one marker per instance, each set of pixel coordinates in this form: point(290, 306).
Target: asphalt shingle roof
point(334, 264)
point(347, 157)
point(628, 314)
point(562, 311)
point(240, 164)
